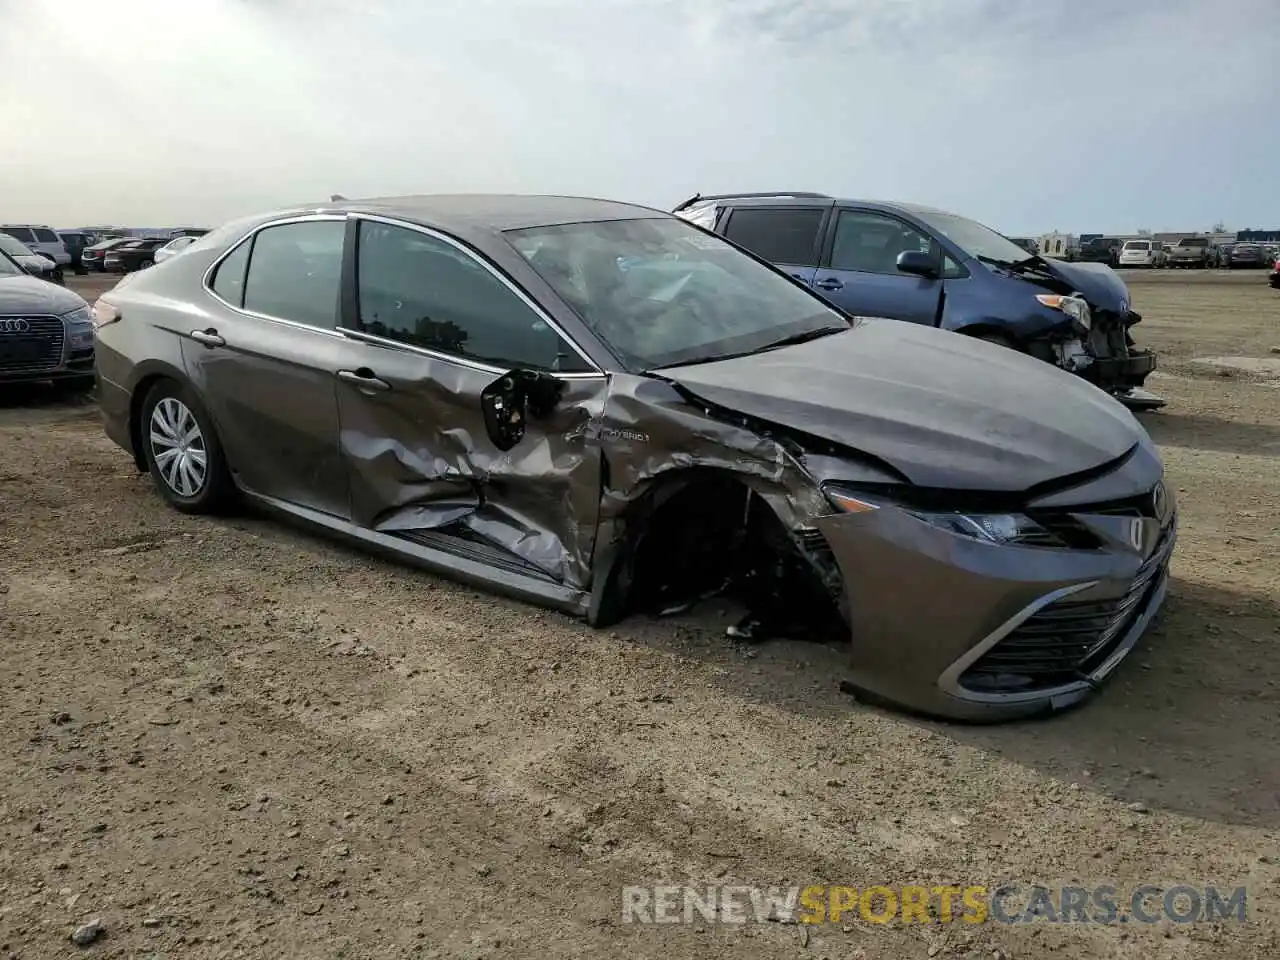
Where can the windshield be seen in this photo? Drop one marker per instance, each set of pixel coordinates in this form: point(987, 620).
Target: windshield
point(8, 268)
point(15, 248)
point(661, 292)
point(973, 238)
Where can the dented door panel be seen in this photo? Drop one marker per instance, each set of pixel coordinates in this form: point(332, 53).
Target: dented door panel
point(419, 459)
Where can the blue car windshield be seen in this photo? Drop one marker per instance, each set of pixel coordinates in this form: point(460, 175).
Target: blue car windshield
point(973, 238)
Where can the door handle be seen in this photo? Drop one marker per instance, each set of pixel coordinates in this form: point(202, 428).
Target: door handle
point(828, 283)
point(364, 378)
point(209, 337)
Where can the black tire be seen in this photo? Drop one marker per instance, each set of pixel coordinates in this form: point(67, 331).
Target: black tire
point(215, 489)
point(146, 263)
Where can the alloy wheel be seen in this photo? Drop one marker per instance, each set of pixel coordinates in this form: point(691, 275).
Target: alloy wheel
point(178, 447)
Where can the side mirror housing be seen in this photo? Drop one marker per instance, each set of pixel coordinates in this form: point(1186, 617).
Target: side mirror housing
point(512, 399)
point(917, 263)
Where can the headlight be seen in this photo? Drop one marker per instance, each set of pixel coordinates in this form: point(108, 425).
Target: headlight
point(993, 527)
point(1073, 306)
point(1001, 528)
point(78, 317)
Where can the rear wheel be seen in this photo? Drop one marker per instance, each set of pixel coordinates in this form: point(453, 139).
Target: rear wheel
point(146, 263)
point(182, 450)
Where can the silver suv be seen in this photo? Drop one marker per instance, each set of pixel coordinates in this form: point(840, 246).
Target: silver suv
point(40, 239)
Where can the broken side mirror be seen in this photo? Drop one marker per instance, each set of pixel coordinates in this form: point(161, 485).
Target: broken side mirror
point(512, 399)
point(918, 263)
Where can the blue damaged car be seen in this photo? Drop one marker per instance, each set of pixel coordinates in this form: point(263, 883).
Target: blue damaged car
point(926, 266)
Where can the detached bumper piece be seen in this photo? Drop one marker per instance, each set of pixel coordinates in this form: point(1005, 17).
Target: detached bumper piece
point(1068, 641)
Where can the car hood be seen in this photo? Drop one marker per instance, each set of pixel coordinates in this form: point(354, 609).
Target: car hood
point(945, 410)
point(31, 295)
point(1102, 287)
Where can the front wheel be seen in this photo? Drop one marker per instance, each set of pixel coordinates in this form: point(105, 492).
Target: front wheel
point(182, 450)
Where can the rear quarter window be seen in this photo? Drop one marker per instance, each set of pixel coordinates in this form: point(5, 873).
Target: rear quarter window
point(46, 236)
point(777, 235)
point(19, 233)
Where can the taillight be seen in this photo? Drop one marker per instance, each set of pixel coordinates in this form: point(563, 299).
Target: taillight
point(102, 313)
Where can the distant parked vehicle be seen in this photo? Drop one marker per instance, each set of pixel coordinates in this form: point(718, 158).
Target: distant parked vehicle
point(1191, 252)
point(40, 239)
point(34, 264)
point(1275, 273)
point(94, 257)
point(133, 255)
point(75, 241)
point(46, 333)
point(174, 247)
point(1027, 244)
point(1101, 250)
point(1140, 253)
point(1247, 256)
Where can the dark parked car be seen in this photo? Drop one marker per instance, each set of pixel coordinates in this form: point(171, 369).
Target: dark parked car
point(1101, 250)
point(75, 241)
point(94, 257)
point(599, 406)
point(1275, 274)
point(1248, 256)
point(136, 254)
point(934, 268)
point(45, 331)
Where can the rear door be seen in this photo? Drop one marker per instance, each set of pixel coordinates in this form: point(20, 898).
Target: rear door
point(434, 324)
point(859, 271)
point(788, 237)
point(264, 356)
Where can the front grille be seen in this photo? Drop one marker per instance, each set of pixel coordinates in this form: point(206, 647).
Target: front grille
point(34, 350)
point(1063, 642)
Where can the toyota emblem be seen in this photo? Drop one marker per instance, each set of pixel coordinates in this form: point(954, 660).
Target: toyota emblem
point(14, 325)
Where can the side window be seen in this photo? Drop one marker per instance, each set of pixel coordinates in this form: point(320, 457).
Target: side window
point(422, 291)
point(228, 280)
point(46, 236)
point(295, 271)
point(871, 242)
point(779, 235)
point(952, 270)
point(20, 233)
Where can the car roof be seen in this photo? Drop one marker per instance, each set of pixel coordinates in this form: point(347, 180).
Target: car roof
point(792, 200)
point(485, 212)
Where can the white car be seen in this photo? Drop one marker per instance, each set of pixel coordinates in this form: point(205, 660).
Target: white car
point(39, 239)
point(1140, 253)
point(173, 248)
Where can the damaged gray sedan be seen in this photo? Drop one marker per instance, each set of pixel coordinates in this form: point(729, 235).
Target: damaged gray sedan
point(605, 409)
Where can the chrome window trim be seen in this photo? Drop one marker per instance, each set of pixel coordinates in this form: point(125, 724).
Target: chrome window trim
point(594, 373)
point(206, 279)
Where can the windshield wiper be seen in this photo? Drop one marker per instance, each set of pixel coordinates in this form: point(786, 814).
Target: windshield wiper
point(800, 338)
point(1033, 262)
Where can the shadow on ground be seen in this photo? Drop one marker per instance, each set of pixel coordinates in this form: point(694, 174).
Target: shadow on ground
point(1200, 432)
point(1185, 725)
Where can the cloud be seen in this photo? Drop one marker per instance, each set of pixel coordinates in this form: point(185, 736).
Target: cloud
point(1076, 114)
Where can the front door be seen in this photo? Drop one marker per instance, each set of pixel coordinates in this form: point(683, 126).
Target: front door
point(433, 327)
point(263, 359)
point(788, 237)
point(859, 271)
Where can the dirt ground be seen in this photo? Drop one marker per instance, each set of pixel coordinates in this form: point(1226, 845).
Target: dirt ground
point(230, 738)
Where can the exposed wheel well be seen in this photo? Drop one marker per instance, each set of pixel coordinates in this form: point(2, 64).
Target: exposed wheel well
point(991, 333)
point(136, 400)
point(707, 532)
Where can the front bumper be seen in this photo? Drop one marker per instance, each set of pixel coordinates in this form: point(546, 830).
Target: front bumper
point(942, 624)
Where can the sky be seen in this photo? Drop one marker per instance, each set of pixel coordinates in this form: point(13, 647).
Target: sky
point(1072, 115)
